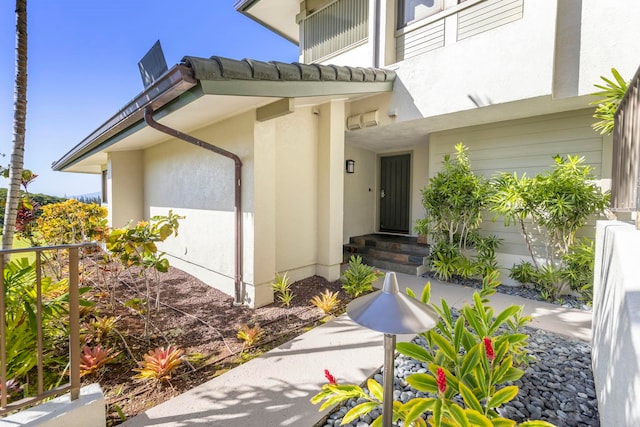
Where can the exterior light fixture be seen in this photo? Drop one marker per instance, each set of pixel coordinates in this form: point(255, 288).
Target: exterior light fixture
point(390, 312)
point(351, 166)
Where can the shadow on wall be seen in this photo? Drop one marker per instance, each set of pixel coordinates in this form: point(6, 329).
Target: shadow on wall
point(616, 326)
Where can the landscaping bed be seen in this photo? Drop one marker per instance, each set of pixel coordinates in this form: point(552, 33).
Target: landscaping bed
point(196, 318)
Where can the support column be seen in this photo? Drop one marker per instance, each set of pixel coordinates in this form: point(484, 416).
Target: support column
point(263, 254)
point(330, 188)
point(125, 187)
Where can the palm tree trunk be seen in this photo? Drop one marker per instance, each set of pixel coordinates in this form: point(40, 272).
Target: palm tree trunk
point(19, 120)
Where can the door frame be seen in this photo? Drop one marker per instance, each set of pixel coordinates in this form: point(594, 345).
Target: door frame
point(379, 157)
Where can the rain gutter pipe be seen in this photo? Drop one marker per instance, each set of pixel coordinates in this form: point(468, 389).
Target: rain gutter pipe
point(148, 118)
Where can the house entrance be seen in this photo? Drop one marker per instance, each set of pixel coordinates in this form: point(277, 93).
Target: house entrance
point(395, 178)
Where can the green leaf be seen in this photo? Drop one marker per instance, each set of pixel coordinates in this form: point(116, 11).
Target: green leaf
point(423, 382)
point(416, 407)
point(437, 413)
point(503, 395)
point(471, 359)
point(481, 380)
point(446, 347)
point(502, 370)
point(426, 293)
point(502, 422)
point(502, 317)
point(470, 316)
point(516, 338)
point(359, 410)
point(478, 419)
point(377, 422)
point(375, 389)
point(414, 351)
point(512, 374)
point(459, 415)
point(469, 398)
point(536, 423)
point(458, 333)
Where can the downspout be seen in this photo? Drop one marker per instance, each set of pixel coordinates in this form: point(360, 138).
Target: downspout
point(148, 118)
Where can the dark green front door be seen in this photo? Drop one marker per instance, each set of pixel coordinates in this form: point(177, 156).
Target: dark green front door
point(395, 178)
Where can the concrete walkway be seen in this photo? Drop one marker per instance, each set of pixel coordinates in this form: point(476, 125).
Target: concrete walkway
point(274, 389)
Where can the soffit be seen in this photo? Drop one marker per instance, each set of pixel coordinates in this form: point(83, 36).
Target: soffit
point(277, 15)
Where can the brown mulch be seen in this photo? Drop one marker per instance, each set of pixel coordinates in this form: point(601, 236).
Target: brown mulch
point(197, 318)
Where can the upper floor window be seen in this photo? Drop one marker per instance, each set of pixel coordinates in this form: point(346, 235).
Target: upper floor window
point(414, 10)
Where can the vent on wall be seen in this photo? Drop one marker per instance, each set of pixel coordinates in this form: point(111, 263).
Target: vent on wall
point(358, 121)
point(353, 122)
point(370, 119)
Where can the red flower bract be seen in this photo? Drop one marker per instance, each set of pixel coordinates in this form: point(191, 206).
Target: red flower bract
point(488, 348)
point(441, 380)
point(329, 377)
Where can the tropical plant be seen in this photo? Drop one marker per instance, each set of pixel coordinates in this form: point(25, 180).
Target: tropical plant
point(135, 246)
point(558, 203)
point(21, 308)
point(282, 288)
point(552, 282)
point(19, 125)
point(579, 263)
point(523, 272)
point(159, 364)
point(100, 329)
point(94, 358)
point(358, 278)
point(469, 359)
point(72, 222)
point(611, 93)
point(326, 301)
point(250, 334)
point(454, 200)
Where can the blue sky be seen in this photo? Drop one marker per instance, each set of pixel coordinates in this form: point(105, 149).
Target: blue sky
point(82, 68)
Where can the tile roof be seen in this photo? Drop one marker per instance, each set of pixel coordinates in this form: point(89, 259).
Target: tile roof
point(219, 68)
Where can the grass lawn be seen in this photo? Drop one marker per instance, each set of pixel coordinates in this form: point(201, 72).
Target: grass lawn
point(18, 244)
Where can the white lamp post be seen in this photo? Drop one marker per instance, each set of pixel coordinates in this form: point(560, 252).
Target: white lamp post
point(390, 312)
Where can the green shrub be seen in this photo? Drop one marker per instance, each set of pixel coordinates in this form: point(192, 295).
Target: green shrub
point(358, 278)
point(454, 200)
point(579, 264)
point(558, 203)
point(524, 272)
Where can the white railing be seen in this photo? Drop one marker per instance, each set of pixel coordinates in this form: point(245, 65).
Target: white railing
point(337, 26)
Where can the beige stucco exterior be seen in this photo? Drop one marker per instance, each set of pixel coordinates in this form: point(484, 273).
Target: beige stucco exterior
point(292, 197)
point(518, 83)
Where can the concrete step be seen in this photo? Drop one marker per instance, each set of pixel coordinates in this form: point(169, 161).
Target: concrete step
point(396, 253)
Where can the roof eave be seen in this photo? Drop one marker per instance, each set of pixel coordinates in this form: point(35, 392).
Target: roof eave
point(243, 6)
point(176, 81)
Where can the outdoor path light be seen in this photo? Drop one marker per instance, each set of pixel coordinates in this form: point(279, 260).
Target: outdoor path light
point(390, 312)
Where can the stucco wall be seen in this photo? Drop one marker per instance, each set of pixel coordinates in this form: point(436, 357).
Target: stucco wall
point(616, 324)
point(296, 200)
point(360, 193)
point(125, 187)
point(199, 185)
point(505, 64)
point(610, 35)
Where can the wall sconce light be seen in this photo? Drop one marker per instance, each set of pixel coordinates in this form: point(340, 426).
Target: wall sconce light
point(351, 166)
